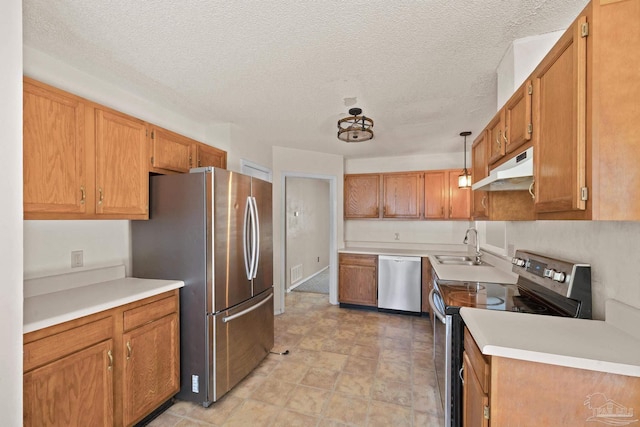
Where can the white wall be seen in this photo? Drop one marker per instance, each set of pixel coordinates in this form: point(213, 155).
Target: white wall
point(11, 213)
point(307, 219)
point(292, 162)
point(610, 247)
point(48, 245)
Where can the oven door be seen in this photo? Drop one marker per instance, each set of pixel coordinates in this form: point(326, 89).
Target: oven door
point(442, 351)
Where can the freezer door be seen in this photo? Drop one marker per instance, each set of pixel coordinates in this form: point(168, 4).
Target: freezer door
point(263, 274)
point(243, 336)
point(228, 216)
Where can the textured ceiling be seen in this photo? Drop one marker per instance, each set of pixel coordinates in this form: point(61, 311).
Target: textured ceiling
point(284, 72)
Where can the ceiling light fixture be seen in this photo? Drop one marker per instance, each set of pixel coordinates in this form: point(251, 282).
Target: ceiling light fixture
point(355, 128)
point(464, 180)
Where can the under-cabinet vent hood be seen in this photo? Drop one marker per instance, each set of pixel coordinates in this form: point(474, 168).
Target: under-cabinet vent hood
point(514, 174)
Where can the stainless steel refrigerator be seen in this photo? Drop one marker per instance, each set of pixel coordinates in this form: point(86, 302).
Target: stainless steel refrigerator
point(212, 229)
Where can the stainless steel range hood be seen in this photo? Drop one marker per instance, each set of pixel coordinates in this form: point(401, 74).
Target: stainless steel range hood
point(514, 174)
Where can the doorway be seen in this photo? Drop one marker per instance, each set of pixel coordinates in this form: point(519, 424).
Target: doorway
point(308, 244)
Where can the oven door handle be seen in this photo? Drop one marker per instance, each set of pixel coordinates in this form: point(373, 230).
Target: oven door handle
point(434, 310)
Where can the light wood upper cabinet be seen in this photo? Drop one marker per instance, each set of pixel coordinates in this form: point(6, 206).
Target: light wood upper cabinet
point(497, 138)
point(518, 125)
point(362, 196)
point(459, 198)
point(435, 195)
point(442, 197)
point(402, 195)
point(559, 125)
point(171, 151)
point(358, 279)
point(211, 156)
point(480, 170)
point(122, 181)
point(54, 151)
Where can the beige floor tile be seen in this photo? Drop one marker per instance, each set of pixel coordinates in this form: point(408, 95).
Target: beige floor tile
point(300, 355)
point(324, 422)
point(397, 355)
point(252, 413)
point(311, 343)
point(320, 378)
point(288, 418)
point(308, 400)
point(181, 407)
point(424, 377)
point(361, 365)
point(166, 419)
point(247, 386)
point(340, 346)
point(393, 371)
point(218, 412)
point(392, 392)
point(426, 400)
point(366, 350)
point(383, 414)
point(331, 361)
point(355, 385)
point(422, 359)
point(427, 419)
point(268, 364)
point(187, 422)
point(422, 346)
point(347, 409)
point(288, 371)
point(274, 392)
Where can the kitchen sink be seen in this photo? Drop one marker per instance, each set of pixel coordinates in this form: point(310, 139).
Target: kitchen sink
point(459, 260)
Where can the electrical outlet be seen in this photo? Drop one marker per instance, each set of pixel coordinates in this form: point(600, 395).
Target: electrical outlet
point(318, 259)
point(76, 259)
point(397, 236)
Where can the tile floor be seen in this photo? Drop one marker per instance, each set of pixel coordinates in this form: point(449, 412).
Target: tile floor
point(345, 367)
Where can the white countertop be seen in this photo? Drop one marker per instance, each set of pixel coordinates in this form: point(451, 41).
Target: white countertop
point(465, 273)
point(48, 309)
point(595, 345)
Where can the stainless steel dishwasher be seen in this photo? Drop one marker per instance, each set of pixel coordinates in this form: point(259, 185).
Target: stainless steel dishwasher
point(399, 283)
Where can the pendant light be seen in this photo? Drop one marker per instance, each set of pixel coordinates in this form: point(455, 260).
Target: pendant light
point(464, 180)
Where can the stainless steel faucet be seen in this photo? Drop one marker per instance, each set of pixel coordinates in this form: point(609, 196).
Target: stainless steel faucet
point(477, 242)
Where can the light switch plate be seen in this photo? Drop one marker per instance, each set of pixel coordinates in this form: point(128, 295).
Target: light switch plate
point(76, 259)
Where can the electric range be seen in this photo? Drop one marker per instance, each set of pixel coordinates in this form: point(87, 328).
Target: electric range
point(545, 286)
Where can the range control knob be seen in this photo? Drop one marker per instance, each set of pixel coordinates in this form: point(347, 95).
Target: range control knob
point(518, 261)
point(559, 276)
point(548, 273)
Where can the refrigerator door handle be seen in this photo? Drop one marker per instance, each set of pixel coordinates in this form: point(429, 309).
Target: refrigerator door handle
point(248, 310)
point(256, 240)
point(247, 213)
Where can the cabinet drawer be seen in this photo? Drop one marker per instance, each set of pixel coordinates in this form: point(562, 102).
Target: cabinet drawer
point(56, 346)
point(480, 364)
point(355, 259)
point(150, 312)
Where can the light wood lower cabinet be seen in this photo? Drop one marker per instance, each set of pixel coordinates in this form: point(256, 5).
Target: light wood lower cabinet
point(109, 368)
point(427, 283)
point(358, 279)
point(500, 391)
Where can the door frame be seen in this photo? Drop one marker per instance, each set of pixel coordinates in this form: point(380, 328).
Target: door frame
point(333, 248)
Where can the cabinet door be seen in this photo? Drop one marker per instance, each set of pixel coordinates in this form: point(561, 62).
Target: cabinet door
point(76, 390)
point(497, 139)
point(426, 283)
point(402, 195)
point(151, 367)
point(358, 279)
point(459, 198)
point(362, 196)
point(559, 94)
point(435, 184)
point(211, 156)
point(53, 151)
point(122, 181)
point(474, 399)
point(171, 151)
point(480, 170)
point(518, 125)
